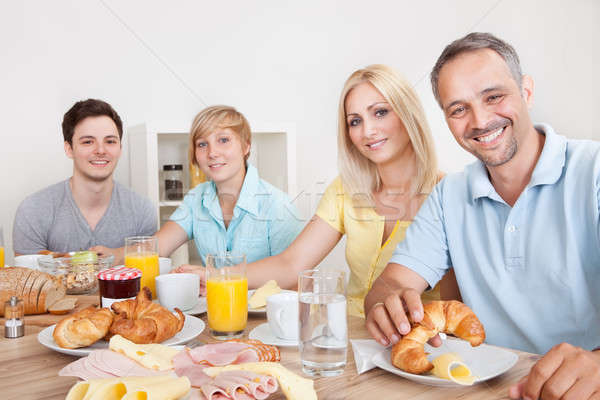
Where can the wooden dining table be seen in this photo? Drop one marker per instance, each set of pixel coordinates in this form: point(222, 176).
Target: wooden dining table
point(29, 370)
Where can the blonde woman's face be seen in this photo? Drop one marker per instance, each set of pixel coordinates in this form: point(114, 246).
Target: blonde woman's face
point(373, 126)
point(220, 155)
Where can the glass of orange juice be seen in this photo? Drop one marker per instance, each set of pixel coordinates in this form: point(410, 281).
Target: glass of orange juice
point(141, 252)
point(1, 248)
point(226, 295)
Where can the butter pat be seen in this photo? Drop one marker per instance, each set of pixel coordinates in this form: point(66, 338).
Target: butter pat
point(259, 297)
point(293, 386)
point(153, 356)
point(450, 366)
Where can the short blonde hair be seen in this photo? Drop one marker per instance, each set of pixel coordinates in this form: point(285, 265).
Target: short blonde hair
point(359, 174)
point(218, 117)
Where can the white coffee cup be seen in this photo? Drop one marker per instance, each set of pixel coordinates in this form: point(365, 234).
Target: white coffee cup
point(29, 261)
point(282, 314)
point(178, 290)
point(164, 265)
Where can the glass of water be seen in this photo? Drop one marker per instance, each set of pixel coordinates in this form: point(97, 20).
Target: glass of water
point(323, 325)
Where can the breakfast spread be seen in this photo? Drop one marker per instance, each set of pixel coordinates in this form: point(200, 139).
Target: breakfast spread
point(293, 386)
point(164, 387)
point(259, 297)
point(38, 290)
point(83, 328)
point(143, 321)
point(451, 317)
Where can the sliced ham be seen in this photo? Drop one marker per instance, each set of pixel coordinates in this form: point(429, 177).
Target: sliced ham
point(234, 352)
point(240, 385)
point(225, 353)
point(185, 366)
point(257, 386)
point(106, 364)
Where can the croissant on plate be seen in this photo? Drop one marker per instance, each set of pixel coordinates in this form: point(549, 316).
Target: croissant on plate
point(143, 321)
point(83, 328)
point(451, 317)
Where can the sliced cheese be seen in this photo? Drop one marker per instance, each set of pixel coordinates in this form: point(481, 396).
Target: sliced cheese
point(131, 388)
point(293, 386)
point(170, 389)
point(259, 297)
point(450, 366)
point(154, 356)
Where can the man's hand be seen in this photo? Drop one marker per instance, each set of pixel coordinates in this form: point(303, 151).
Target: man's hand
point(194, 269)
point(387, 322)
point(566, 372)
point(118, 253)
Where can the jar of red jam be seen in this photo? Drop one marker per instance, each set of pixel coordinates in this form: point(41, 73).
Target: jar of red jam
point(118, 284)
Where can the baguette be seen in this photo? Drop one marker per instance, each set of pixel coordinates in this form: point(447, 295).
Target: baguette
point(38, 290)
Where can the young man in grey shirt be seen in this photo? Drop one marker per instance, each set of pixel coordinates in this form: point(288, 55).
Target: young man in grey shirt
point(89, 209)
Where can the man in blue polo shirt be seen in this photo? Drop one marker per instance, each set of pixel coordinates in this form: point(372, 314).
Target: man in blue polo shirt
point(520, 227)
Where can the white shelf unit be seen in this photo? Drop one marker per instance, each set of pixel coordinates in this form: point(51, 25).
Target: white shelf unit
point(273, 153)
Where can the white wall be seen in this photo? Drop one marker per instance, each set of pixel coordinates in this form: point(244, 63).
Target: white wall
point(277, 61)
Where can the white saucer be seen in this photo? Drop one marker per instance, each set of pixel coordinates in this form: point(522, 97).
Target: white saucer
point(199, 308)
point(263, 333)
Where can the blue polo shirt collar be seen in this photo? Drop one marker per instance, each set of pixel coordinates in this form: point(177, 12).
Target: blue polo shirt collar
point(547, 171)
point(246, 201)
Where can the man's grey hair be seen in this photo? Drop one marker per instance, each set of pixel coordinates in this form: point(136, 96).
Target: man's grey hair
point(476, 41)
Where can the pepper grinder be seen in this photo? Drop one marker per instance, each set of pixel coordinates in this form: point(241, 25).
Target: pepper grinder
point(14, 324)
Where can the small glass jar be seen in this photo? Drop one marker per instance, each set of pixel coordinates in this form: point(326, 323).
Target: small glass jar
point(118, 284)
point(14, 318)
point(173, 174)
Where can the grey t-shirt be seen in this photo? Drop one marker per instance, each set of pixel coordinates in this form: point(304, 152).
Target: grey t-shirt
point(50, 220)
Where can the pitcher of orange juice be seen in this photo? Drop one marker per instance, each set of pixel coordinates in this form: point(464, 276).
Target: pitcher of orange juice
point(141, 252)
point(226, 295)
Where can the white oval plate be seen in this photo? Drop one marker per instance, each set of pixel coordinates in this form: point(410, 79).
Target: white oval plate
point(485, 361)
point(263, 333)
point(262, 310)
point(192, 327)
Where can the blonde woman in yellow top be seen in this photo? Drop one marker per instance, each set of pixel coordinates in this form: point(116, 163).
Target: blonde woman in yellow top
point(387, 167)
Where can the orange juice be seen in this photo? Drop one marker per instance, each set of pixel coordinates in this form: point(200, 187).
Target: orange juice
point(1, 256)
point(148, 264)
point(227, 303)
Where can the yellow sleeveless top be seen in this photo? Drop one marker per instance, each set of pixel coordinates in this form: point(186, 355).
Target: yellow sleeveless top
point(365, 255)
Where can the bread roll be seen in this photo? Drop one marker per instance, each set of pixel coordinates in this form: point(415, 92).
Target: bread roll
point(83, 328)
point(37, 289)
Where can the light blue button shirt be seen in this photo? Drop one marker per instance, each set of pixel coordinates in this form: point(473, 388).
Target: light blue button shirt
point(530, 272)
point(264, 221)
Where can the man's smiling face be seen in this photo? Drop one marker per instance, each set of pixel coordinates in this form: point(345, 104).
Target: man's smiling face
point(484, 107)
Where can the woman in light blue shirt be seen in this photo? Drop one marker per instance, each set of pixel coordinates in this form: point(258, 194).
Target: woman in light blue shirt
point(234, 211)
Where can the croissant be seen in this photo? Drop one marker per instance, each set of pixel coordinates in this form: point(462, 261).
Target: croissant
point(83, 328)
point(451, 317)
point(143, 321)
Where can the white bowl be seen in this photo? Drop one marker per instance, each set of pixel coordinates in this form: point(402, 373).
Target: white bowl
point(29, 261)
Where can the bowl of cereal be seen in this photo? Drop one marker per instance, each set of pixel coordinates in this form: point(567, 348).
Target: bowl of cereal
point(77, 269)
